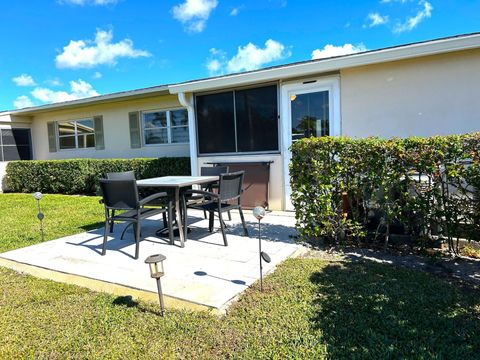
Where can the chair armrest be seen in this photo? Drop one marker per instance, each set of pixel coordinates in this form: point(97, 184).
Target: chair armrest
point(152, 197)
point(201, 192)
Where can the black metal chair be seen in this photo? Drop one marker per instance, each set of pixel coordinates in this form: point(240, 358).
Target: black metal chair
point(209, 171)
point(130, 175)
point(227, 198)
point(122, 203)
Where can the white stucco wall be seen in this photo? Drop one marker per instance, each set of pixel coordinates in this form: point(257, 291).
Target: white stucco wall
point(434, 95)
point(116, 130)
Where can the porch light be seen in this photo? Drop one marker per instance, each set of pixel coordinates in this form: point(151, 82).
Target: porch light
point(40, 216)
point(259, 214)
point(155, 262)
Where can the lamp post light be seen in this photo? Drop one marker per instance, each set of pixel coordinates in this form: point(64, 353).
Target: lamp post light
point(155, 263)
point(259, 214)
point(38, 196)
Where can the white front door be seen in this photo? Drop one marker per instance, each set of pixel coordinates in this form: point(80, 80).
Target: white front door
point(309, 108)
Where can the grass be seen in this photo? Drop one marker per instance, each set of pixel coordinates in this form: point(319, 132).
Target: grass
point(310, 309)
point(64, 215)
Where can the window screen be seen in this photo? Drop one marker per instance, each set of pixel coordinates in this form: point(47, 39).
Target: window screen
point(257, 119)
point(15, 144)
point(238, 121)
point(216, 123)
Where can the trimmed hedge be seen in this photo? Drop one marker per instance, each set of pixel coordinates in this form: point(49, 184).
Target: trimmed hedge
point(80, 176)
point(343, 189)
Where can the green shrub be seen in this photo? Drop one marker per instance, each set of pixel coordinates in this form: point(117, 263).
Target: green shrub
point(338, 183)
point(80, 176)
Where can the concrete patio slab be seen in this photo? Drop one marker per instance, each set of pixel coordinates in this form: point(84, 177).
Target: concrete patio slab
point(204, 274)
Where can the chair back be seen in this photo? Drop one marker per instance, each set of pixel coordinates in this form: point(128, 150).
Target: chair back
point(123, 175)
point(119, 194)
point(213, 170)
point(230, 185)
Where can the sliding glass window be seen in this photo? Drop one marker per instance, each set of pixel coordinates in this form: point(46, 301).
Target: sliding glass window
point(238, 121)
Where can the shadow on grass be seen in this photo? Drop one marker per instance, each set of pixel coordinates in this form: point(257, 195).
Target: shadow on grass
point(370, 310)
point(93, 226)
point(126, 301)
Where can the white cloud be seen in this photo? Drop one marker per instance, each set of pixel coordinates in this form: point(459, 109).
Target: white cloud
point(88, 2)
point(332, 50)
point(376, 19)
point(53, 82)
point(22, 101)
point(235, 11)
point(97, 75)
point(194, 13)
point(88, 53)
point(24, 80)
point(78, 90)
point(251, 57)
point(411, 22)
point(248, 57)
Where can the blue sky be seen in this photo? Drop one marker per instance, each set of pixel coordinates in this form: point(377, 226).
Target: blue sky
point(57, 50)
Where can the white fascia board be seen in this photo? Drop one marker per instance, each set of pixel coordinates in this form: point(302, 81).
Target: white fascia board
point(332, 64)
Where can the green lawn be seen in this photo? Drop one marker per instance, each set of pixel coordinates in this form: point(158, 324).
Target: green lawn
point(310, 309)
point(64, 215)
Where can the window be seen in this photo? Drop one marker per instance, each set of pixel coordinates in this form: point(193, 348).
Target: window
point(310, 114)
point(77, 134)
point(165, 127)
point(15, 144)
point(238, 121)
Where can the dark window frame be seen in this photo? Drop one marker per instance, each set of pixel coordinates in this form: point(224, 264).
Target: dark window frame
point(233, 90)
point(3, 146)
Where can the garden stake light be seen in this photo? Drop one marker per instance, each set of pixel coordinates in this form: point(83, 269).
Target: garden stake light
point(38, 196)
point(157, 272)
point(259, 214)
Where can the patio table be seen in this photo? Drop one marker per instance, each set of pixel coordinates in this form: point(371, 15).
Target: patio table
point(177, 183)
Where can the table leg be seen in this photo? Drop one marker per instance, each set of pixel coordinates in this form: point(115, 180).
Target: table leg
point(179, 217)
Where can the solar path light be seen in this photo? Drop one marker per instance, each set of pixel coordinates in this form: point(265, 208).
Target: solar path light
point(259, 214)
point(155, 263)
point(38, 196)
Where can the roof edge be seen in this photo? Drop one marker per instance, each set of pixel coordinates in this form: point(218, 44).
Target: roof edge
point(310, 67)
point(97, 99)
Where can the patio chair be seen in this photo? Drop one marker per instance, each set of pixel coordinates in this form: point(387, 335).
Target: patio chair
point(121, 196)
point(210, 171)
point(130, 175)
point(227, 198)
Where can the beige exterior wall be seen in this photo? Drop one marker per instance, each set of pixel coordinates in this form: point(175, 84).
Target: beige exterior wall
point(275, 195)
point(434, 95)
point(116, 130)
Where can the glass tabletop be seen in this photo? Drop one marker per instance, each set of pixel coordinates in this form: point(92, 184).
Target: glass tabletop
point(176, 181)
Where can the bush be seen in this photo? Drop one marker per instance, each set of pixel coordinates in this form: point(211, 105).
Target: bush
point(342, 188)
point(80, 176)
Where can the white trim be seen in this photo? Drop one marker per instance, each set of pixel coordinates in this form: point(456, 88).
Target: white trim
point(332, 64)
point(187, 102)
point(168, 127)
point(75, 134)
point(330, 84)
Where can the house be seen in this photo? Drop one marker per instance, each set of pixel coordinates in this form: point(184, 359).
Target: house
point(427, 88)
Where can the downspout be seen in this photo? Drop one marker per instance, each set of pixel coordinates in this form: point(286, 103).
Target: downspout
point(186, 100)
